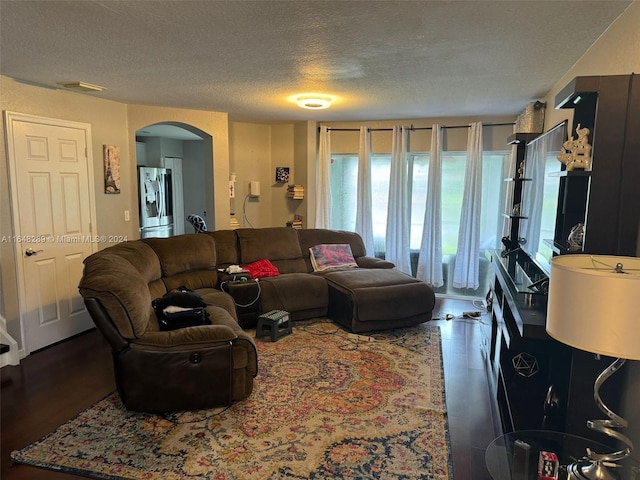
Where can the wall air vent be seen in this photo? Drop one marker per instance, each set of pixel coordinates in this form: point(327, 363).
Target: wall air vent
point(81, 86)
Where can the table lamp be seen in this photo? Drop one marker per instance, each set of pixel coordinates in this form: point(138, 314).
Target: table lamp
point(594, 301)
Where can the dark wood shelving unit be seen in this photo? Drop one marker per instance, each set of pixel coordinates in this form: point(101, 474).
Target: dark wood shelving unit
point(518, 330)
point(520, 140)
point(610, 107)
point(558, 395)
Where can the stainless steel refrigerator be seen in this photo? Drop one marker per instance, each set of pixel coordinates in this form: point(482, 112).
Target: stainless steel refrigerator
point(156, 202)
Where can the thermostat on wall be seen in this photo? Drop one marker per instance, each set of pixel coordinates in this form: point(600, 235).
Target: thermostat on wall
point(254, 188)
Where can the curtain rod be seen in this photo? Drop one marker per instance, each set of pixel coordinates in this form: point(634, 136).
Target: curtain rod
point(412, 128)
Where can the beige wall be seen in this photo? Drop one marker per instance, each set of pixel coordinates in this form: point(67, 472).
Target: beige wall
point(617, 52)
point(282, 155)
point(250, 159)
point(108, 122)
point(108, 126)
point(215, 124)
point(305, 140)
point(256, 150)
point(111, 123)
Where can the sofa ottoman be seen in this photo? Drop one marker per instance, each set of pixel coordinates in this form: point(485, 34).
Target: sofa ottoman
point(365, 300)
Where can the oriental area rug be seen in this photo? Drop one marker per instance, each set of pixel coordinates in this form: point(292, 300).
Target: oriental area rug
point(325, 404)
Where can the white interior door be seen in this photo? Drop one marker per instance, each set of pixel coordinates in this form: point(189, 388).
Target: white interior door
point(53, 213)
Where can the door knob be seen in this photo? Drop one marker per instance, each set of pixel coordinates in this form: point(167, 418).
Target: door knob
point(30, 251)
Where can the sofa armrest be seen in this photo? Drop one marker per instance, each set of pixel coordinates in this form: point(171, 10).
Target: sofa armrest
point(372, 262)
point(193, 338)
point(105, 325)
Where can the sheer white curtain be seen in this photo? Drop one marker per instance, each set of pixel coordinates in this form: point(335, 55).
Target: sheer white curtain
point(364, 219)
point(323, 183)
point(430, 257)
point(531, 205)
point(466, 273)
point(397, 242)
point(533, 193)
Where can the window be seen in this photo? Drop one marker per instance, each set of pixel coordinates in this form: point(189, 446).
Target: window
point(344, 174)
point(344, 191)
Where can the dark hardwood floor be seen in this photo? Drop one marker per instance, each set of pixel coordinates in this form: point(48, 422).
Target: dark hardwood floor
point(53, 385)
point(471, 423)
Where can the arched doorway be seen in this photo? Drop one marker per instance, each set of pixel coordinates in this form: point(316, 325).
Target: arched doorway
point(184, 153)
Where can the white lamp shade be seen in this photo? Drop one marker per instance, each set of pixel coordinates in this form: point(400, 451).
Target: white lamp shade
point(593, 308)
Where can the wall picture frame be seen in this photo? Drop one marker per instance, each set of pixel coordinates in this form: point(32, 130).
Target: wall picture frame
point(111, 157)
point(282, 174)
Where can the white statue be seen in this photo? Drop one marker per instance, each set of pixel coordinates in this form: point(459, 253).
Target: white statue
point(577, 153)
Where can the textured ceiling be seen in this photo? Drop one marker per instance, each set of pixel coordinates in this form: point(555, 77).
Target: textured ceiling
point(379, 59)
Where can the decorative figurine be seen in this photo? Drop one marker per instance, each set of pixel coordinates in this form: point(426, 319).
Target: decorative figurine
point(577, 153)
point(511, 246)
point(525, 364)
point(515, 211)
point(576, 237)
point(521, 171)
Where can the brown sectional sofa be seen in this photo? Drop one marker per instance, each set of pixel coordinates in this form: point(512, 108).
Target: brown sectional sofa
point(156, 371)
point(203, 366)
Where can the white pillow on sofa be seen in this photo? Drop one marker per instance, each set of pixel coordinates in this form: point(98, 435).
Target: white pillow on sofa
point(332, 256)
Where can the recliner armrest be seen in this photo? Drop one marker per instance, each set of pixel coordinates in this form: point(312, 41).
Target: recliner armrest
point(104, 323)
point(373, 262)
point(203, 336)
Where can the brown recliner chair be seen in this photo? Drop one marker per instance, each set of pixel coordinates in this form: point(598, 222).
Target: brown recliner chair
point(162, 371)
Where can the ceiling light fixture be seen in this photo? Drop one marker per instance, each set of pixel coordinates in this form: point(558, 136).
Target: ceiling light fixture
point(82, 86)
point(314, 102)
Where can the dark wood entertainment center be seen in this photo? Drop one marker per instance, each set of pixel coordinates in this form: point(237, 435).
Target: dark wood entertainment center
point(536, 381)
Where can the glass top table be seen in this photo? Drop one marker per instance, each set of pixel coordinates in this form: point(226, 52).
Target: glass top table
point(507, 459)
